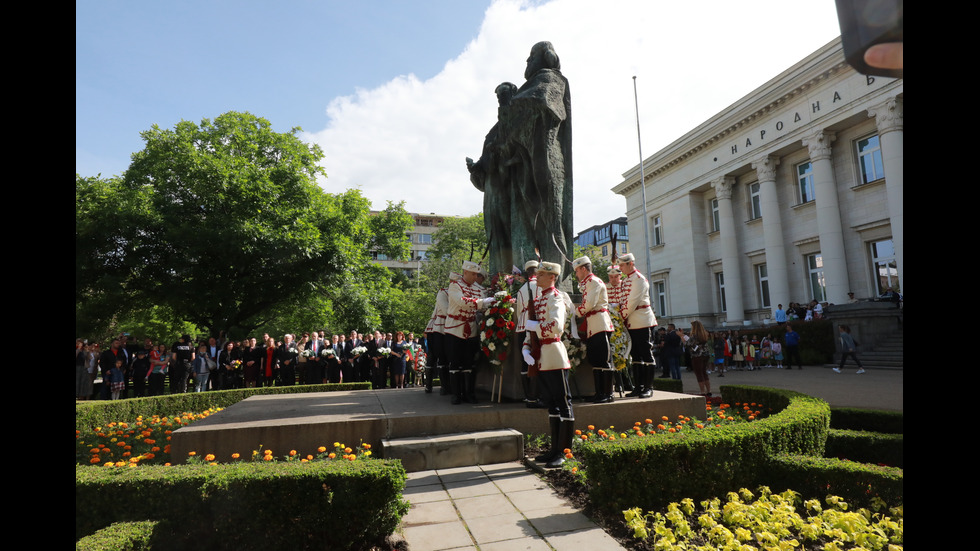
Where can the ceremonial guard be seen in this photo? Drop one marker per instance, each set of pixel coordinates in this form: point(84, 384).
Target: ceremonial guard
point(551, 311)
point(462, 337)
point(595, 310)
point(435, 337)
point(640, 320)
point(525, 299)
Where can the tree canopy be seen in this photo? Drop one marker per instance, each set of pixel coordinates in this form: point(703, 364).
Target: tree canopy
point(224, 223)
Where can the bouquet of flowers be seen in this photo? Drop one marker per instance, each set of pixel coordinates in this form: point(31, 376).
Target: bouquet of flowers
point(359, 350)
point(307, 353)
point(384, 351)
point(497, 328)
point(619, 341)
point(236, 364)
point(326, 353)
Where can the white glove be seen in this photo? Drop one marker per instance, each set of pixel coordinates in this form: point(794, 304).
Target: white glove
point(613, 304)
point(488, 301)
point(527, 357)
point(533, 325)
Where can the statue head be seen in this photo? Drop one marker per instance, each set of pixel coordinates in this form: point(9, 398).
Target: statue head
point(543, 56)
point(505, 91)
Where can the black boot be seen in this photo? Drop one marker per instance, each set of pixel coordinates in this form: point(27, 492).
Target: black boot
point(648, 374)
point(428, 380)
point(597, 383)
point(445, 381)
point(469, 387)
point(637, 380)
point(456, 381)
point(552, 452)
point(607, 387)
point(564, 443)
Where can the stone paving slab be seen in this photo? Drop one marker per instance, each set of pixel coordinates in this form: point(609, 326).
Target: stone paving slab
point(500, 507)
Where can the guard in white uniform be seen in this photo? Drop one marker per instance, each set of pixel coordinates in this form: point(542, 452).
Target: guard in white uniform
point(551, 312)
point(595, 309)
point(462, 333)
point(640, 322)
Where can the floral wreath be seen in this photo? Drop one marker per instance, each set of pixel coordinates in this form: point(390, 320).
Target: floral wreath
point(497, 328)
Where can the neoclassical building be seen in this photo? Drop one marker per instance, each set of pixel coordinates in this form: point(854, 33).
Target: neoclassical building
point(792, 193)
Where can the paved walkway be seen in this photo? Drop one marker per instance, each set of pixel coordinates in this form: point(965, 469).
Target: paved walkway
point(507, 507)
point(502, 507)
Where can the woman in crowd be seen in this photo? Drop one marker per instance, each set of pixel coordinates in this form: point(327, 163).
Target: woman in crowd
point(159, 359)
point(697, 343)
point(83, 381)
point(270, 362)
point(252, 360)
point(202, 372)
point(226, 366)
point(397, 366)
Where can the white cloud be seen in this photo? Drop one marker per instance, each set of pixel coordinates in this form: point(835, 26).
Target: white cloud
point(407, 140)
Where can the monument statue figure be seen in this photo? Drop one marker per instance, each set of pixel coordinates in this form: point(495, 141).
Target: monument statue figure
point(527, 166)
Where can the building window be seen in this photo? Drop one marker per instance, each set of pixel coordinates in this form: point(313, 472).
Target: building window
point(425, 238)
point(623, 231)
point(763, 272)
point(755, 201)
point(623, 248)
point(660, 292)
point(657, 230)
point(869, 157)
point(720, 278)
point(605, 250)
point(375, 255)
point(715, 216)
point(818, 284)
point(804, 178)
point(885, 266)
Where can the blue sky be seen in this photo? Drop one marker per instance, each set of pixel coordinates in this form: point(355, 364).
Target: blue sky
point(399, 93)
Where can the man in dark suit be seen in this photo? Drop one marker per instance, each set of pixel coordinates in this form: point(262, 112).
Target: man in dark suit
point(315, 364)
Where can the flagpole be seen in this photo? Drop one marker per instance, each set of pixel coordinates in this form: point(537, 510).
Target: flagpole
point(643, 192)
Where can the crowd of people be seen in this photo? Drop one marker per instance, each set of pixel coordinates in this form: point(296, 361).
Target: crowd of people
point(137, 370)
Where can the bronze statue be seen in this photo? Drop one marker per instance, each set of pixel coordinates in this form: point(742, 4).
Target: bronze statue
point(525, 171)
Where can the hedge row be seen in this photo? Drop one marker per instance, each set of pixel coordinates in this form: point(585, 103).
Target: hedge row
point(818, 477)
point(867, 447)
point(97, 413)
point(890, 422)
point(652, 472)
point(243, 506)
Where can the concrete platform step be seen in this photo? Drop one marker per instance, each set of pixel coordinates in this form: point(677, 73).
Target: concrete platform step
point(446, 451)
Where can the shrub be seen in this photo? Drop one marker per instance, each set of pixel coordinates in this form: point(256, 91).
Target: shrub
point(652, 472)
point(241, 506)
point(891, 422)
point(816, 477)
point(867, 447)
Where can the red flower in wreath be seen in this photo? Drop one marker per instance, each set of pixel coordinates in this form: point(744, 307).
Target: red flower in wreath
point(502, 356)
point(500, 322)
point(511, 325)
point(501, 335)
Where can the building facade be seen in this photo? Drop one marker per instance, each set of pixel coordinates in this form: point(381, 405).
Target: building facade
point(793, 193)
point(425, 225)
point(601, 237)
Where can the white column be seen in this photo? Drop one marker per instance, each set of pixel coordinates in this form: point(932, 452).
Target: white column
point(828, 216)
point(889, 117)
point(772, 229)
point(729, 250)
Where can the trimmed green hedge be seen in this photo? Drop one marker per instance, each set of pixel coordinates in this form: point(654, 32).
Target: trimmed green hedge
point(97, 413)
point(890, 422)
point(243, 506)
point(867, 447)
point(652, 472)
point(668, 385)
point(121, 536)
point(818, 477)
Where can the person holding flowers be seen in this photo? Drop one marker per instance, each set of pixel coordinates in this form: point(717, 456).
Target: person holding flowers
point(550, 313)
point(595, 310)
point(462, 331)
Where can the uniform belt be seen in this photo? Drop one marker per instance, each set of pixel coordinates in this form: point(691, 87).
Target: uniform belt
point(549, 341)
point(594, 312)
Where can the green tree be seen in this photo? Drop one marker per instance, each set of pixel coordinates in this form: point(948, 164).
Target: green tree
point(224, 223)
